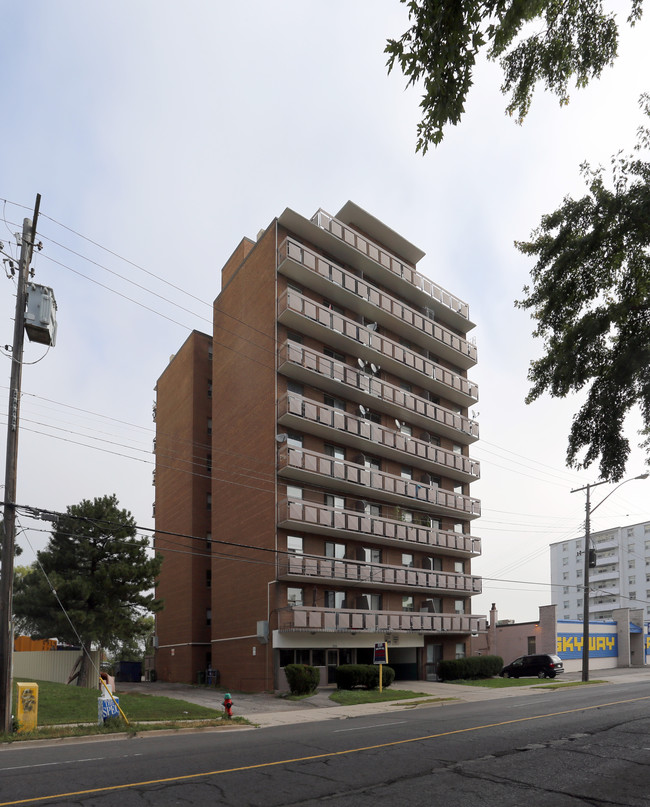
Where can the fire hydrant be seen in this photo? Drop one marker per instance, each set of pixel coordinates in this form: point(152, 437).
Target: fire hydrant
point(227, 705)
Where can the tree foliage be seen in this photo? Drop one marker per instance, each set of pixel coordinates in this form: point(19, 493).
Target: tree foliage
point(102, 576)
point(590, 298)
point(535, 41)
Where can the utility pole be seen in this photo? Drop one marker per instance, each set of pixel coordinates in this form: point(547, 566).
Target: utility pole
point(8, 545)
point(585, 604)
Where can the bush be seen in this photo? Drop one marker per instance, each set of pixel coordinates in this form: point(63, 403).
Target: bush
point(470, 668)
point(349, 676)
point(302, 678)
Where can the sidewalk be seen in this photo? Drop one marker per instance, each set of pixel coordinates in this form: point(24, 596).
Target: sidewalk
point(266, 710)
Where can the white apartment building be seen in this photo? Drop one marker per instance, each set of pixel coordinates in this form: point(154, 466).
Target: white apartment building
point(620, 579)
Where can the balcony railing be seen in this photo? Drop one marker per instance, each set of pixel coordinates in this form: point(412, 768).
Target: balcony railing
point(339, 331)
point(301, 618)
point(377, 575)
point(390, 262)
point(309, 466)
point(308, 415)
point(455, 348)
point(342, 379)
point(319, 518)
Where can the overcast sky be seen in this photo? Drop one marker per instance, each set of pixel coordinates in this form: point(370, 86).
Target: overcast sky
point(161, 133)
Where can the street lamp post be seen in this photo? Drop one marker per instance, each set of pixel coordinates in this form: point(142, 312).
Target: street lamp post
point(585, 603)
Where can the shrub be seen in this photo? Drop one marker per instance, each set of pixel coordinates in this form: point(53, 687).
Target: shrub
point(470, 668)
point(349, 676)
point(302, 678)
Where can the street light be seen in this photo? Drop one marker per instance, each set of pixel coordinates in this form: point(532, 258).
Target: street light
point(585, 604)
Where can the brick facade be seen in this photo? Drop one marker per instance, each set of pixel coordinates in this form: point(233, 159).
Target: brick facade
point(340, 468)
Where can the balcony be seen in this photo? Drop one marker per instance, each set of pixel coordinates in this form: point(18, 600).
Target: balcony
point(351, 291)
point(311, 468)
point(384, 260)
point(305, 516)
point(351, 573)
point(301, 618)
point(297, 412)
point(298, 312)
point(313, 368)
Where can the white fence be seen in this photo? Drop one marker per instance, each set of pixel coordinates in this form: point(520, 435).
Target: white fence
point(52, 665)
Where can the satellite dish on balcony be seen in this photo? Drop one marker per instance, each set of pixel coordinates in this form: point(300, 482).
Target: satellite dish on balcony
point(371, 326)
point(398, 424)
point(362, 411)
point(361, 363)
point(374, 368)
point(281, 438)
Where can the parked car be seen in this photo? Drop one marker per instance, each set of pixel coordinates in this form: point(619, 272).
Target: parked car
point(542, 665)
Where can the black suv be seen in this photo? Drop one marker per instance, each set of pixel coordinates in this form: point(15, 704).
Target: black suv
point(542, 665)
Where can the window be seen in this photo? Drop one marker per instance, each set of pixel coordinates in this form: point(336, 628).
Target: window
point(531, 645)
point(372, 509)
point(407, 603)
point(407, 559)
point(432, 563)
point(294, 386)
point(209, 425)
point(335, 599)
point(208, 578)
point(457, 449)
point(459, 488)
point(335, 451)
point(208, 540)
point(209, 389)
point(371, 555)
point(406, 473)
point(335, 501)
point(565, 590)
point(405, 429)
point(631, 579)
point(295, 596)
point(294, 337)
point(565, 576)
point(335, 403)
point(294, 544)
point(459, 606)
point(208, 463)
point(294, 439)
point(405, 515)
point(565, 561)
point(459, 567)
point(333, 354)
point(334, 550)
point(460, 650)
point(208, 616)
point(294, 492)
point(372, 463)
point(293, 287)
point(372, 601)
point(632, 595)
point(458, 527)
point(208, 501)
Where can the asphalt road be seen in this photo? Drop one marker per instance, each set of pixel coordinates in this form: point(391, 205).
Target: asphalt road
point(563, 748)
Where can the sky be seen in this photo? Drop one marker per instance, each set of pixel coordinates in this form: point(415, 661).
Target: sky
point(160, 133)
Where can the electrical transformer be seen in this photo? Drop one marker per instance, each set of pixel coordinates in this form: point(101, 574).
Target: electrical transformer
point(40, 317)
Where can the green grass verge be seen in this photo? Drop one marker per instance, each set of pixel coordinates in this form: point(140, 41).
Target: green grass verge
point(63, 709)
point(351, 697)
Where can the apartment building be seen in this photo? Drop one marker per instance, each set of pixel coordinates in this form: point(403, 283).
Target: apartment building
point(620, 579)
point(313, 464)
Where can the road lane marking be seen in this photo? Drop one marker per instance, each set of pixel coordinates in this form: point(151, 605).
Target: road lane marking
point(374, 726)
point(328, 754)
point(64, 762)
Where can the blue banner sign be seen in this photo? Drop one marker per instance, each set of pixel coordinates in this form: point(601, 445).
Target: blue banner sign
point(569, 645)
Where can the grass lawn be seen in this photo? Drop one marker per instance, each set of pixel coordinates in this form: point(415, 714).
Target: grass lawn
point(351, 697)
point(62, 709)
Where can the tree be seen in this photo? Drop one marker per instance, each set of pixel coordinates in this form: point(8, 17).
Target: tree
point(99, 579)
point(577, 39)
point(590, 298)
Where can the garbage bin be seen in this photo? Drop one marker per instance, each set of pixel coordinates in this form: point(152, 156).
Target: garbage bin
point(200, 677)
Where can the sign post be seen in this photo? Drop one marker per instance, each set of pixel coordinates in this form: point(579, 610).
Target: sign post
point(381, 658)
